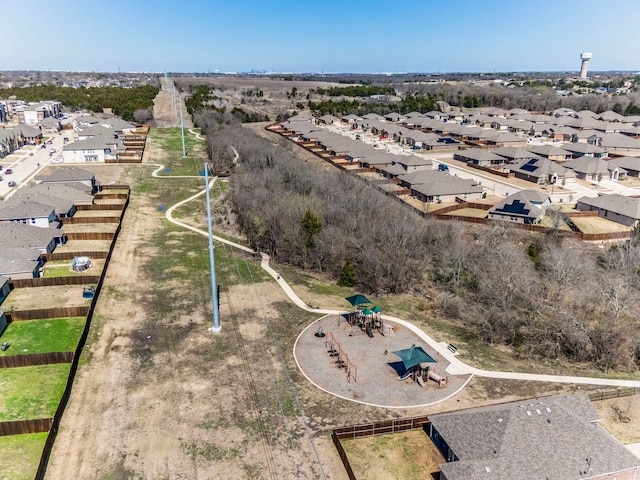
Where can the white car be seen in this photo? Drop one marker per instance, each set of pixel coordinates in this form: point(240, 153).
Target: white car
point(57, 160)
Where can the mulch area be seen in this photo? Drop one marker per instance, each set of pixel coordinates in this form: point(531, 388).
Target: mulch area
point(377, 368)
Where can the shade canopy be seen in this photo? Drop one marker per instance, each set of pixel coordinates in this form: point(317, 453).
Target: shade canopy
point(376, 309)
point(367, 312)
point(356, 300)
point(414, 356)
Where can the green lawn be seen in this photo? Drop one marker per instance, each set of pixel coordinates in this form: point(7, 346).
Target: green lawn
point(51, 272)
point(170, 139)
point(20, 455)
point(31, 392)
point(40, 336)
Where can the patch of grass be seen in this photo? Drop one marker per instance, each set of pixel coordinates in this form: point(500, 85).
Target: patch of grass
point(20, 455)
point(40, 336)
point(52, 272)
point(205, 452)
point(115, 293)
point(31, 392)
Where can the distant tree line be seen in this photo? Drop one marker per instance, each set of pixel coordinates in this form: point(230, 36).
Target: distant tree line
point(123, 101)
point(542, 295)
point(354, 91)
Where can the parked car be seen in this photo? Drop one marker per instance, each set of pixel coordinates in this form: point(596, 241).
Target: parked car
point(49, 142)
point(443, 167)
point(8, 171)
point(1, 178)
point(12, 183)
point(57, 160)
point(43, 146)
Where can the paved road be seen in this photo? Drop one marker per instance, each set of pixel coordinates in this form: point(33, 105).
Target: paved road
point(457, 365)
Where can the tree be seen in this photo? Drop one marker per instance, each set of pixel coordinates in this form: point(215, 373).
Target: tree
point(310, 226)
point(143, 115)
point(347, 275)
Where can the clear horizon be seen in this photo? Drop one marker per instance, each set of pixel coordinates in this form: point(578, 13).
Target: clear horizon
point(458, 36)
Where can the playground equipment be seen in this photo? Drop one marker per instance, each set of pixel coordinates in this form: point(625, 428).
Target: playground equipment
point(342, 359)
point(88, 292)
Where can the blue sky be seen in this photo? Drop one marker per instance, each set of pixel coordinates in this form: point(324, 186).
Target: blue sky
point(314, 36)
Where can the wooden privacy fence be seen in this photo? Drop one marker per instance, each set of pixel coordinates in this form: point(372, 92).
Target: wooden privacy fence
point(20, 427)
point(99, 207)
point(90, 236)
point(381, 428)
point(54, 281)
point(48, 446)
point(369, 429)
point(104, 195)
point(615, 393)
point(59, 312)
point(84, 220)
point(71, 255)
point(33, 359)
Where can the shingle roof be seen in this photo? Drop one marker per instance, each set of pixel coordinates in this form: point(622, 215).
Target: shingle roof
point(540, 167)
point(479, 155)
point(15, 234)
point(552, 438)
point(627, 206)
point(448, 186)
point(59, 190)
point(17, 208)
point(66, 174)
point(589, 165)
point(17, 260)
point(525, 203)
point(629, 163)
point(548, 150)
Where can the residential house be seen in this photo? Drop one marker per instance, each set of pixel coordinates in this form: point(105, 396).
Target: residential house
point(526, 206)
point(44, 240)
point(29, 134)
point(547, 438)
point(614, 207)
point(20, 262)
point(630, 164)
point(542, 171)
point(551, 152)
point(503, 139)
point(584, 150)
point(29, 212)
point(328, 119)
point(69, 175)
point(446, 188)
point(595, 169)
point(514, 154)
point(477, 156)
point(96, 149)
point(62, 191)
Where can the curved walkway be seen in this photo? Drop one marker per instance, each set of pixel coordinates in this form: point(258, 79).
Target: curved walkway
point(457, 366)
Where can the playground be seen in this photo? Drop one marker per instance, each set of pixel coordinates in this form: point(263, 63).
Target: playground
point(352, 356)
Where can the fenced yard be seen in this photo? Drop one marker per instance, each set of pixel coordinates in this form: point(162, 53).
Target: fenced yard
point(42, 336)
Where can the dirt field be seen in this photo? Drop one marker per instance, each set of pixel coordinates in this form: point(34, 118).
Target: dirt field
point(621, 417)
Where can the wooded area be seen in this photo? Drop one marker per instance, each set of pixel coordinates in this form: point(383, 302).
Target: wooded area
point(544, 295)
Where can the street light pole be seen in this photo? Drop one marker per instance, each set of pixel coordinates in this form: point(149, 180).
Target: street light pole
point(214, 288)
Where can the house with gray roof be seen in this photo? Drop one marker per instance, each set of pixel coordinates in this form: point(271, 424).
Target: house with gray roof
point(614, 207)
point(30, 134)
point(94, 149)
point(446, 188)
point(555, 438)
point(44, 240)
point(29, 212)
point(630, 164)
point(20, 262)
point(526, 206)
point(68, 175)
point(551, 152)
point(60, 190)
point(63, 207)
point(595, 169)
point(514, 154)
point(584, 150)
point(50, 125)
point(542, 171)
point(477, 156)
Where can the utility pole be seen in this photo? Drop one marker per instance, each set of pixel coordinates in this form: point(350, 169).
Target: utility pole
point(184, 149)
point(214, 289)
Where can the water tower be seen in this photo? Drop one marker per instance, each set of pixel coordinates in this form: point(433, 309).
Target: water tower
point(585, 57)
